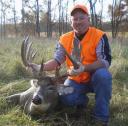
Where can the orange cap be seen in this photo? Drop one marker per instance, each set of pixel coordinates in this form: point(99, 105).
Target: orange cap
point(78, 6)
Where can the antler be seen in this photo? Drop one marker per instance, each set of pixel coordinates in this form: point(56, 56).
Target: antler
point(27, 54)
point(41, 73)
point(70, 57)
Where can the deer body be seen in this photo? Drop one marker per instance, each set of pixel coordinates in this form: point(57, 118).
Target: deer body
point(38, 99)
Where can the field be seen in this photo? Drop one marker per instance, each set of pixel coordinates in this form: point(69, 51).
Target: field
point(14, 78)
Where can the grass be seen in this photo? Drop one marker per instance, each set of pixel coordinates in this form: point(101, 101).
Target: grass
point(14, 78)
point(119, 69)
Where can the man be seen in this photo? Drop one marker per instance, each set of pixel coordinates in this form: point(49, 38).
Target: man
point(89, 47)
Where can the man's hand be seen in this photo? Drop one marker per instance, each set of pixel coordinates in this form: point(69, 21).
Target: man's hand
point(75, 72)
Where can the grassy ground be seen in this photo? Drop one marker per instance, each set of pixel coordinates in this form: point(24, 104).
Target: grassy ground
point(14, 78)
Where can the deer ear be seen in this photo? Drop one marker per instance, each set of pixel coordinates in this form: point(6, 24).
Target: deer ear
point(34, 83)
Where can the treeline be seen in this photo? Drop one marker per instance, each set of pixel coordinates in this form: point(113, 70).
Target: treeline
point(50, 19)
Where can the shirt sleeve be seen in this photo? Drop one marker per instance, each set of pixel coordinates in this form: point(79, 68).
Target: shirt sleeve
point(59, 54)
point(103, 51)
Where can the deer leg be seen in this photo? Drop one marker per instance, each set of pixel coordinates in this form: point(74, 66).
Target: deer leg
point(13, 99)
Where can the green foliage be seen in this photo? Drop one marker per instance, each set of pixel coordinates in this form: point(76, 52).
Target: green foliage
point(14, 78)
point(14, 87)
point(15, 117)
point(119, 67)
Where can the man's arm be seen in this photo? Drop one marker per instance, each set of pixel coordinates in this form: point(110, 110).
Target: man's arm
point(94, 66)
point(86, 68)
point(59, 58)
point(50, 65)
point(103, 53)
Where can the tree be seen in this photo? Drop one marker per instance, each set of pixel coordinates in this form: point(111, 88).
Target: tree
point(23, 13)
point(4, 7)
point(29, 19)
point(93, 12)
point(100, 15)
point(49, 23)
point(1, 28)
point(66, 21)
point(124, 11)
point(31, 10)
point(60, 16)
point(14, 13)
point(117, 14)
point(37, 18)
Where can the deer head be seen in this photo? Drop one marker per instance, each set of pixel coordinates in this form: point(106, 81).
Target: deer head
point(28, 54)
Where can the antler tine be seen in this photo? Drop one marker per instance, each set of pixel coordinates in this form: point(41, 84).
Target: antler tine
point(27, 54)
point(23, 51)
point(41, 69)
point(28, 50)
point(30, 53)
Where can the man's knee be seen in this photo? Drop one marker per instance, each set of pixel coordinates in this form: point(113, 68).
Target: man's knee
point(101, 74)
point(74, 99)
point(68, 100)
point(102, 82)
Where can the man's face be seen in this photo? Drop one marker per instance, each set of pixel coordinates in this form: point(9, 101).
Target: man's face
point(79, 22)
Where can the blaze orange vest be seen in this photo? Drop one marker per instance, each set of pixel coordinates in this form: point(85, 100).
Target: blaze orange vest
point(88, 51)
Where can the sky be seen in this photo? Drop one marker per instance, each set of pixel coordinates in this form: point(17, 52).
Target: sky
point(98, 7)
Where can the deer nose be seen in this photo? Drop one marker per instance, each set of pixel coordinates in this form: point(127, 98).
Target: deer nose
point(36, 100)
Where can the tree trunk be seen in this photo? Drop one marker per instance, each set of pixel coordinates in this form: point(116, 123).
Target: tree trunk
point(1, 24)
point(23, 13)
point(15, 24)
point(60, 17)
point(37, 18)
point(93, 13)
point(49, 24)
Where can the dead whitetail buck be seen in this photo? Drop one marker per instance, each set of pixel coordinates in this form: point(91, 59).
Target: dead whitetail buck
point(43, 94)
